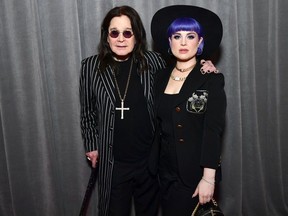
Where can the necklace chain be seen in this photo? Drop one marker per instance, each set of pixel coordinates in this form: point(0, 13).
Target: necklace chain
point(185, 69)
point(181, 79)
point(127, 84)
point(123, 108)
point(176, 78)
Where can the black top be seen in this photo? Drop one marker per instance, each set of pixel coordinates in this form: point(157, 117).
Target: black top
point(133, 134)
point(168, 149)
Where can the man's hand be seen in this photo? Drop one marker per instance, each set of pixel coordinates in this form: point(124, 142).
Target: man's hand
point(208, 67)
point(93, 157)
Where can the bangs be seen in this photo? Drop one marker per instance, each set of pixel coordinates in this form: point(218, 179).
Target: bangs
point(184, 24)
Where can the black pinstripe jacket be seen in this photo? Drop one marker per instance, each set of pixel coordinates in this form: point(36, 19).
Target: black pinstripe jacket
point(97, 115)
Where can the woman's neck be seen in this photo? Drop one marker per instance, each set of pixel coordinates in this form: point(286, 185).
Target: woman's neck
point(184, 66)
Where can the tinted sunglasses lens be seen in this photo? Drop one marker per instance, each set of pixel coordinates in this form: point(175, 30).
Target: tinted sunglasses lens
point(114, 34)
point(127, 34)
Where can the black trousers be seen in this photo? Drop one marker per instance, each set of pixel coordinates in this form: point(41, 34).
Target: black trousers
point(131, 181)
point(177, 198)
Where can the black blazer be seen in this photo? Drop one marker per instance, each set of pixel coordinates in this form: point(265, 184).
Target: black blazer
point(198, 122)
point(97, 101)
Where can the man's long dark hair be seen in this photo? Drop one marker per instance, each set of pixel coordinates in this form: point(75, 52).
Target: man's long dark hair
point(105, 52)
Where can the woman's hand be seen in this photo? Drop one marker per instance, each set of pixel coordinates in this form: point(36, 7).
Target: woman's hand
point(206, 186)
point(93, 157)
point(205, 191)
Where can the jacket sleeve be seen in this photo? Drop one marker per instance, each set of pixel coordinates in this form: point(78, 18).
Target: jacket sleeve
point(88, 112)
point(214, 123)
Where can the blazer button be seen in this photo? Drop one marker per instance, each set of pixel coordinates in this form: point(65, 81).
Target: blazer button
point(178, 109)
point(179, 126)
point(181, 140)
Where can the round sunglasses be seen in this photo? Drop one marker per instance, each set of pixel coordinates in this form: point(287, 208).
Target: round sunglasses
point(115, 34)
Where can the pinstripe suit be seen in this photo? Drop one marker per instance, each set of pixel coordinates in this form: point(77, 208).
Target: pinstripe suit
point(98, 115)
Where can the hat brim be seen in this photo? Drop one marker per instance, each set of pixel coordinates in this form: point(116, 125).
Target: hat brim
point(210, 22)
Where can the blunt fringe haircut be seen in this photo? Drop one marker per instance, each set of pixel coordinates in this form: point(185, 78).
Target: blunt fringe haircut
point(187, 24)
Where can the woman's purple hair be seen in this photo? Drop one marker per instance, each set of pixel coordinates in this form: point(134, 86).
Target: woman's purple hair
point(187, 24)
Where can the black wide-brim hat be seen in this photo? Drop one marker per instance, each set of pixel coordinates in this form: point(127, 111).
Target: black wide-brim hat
point(210, 22)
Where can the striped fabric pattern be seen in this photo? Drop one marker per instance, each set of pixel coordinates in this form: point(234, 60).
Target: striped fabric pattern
point(97, 101)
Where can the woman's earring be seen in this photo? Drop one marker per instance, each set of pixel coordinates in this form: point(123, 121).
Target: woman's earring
point(199, 51)
point(169, 51)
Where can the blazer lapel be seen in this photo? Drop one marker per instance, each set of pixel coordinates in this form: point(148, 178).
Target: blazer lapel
point(108, 82)
point(147, 81)
point(193, 82)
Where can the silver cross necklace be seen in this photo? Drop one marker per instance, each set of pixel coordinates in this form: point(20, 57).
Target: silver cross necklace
point(122, 99)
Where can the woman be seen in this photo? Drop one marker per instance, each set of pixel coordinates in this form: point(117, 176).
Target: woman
point(116, 95)
point(190, 108)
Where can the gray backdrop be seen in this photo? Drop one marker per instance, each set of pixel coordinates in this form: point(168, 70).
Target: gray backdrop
point(42, 163)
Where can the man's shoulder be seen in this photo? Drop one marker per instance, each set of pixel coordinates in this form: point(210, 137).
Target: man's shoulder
point(152, 54)
point(155, 59)
point(91, 59)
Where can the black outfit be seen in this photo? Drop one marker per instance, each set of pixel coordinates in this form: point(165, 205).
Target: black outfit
point(133, 135)
point(132, 143)
point(120, 141)
point(191, 126)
